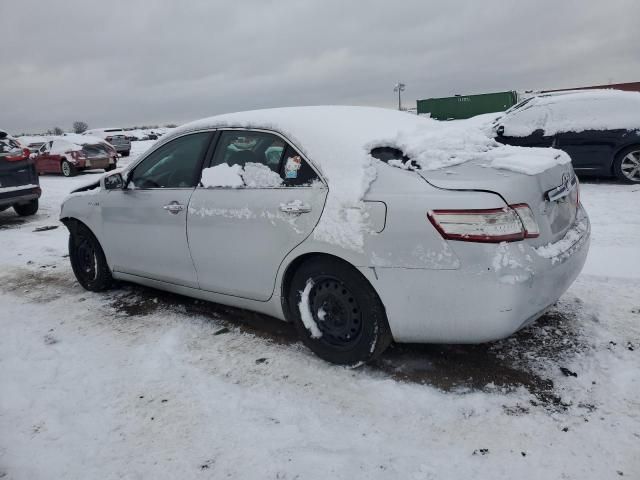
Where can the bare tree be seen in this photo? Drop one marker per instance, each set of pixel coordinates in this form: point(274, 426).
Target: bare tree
point(80, 127)
point(57, 131)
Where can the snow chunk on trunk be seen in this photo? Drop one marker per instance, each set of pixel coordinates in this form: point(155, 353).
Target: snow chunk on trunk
point(305, 311)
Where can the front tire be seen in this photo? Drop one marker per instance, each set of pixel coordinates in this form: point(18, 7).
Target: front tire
point(27, 209)
point(88, 261)
point(67, 169)
point(337, 313)
point(626, 165)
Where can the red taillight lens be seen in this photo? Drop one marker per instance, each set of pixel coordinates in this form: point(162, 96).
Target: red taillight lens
point(16, 158)
point(495, 225)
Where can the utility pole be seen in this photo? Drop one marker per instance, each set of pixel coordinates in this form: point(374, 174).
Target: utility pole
point(399, 87)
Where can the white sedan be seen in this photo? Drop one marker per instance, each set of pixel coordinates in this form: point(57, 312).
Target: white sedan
point(359, 225)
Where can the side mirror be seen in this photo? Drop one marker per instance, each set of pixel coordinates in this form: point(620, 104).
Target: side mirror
point(114, 182)
point(500, 130)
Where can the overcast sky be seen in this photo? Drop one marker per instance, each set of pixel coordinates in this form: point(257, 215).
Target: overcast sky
point(142, 62)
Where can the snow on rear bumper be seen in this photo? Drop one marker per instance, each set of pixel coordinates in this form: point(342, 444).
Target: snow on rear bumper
point(497, 290)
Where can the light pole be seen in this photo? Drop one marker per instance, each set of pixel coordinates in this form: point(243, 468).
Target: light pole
point(399, 87)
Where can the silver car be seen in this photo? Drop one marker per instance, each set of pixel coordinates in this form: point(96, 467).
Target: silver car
point(115, 136)
point(311, 216)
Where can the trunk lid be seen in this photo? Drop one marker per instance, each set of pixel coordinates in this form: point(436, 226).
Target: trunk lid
point(551, 194)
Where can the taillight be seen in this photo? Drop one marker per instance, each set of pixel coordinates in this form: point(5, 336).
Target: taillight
point(525, 213)
point(16, 158)
point(494, 225)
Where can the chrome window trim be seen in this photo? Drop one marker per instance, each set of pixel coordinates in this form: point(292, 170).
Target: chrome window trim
point(169, 139)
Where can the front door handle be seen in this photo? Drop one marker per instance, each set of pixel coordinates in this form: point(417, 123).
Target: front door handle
point(295, 207)
point(174, 207)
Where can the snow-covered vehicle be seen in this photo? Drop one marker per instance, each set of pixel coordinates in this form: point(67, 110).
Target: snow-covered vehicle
point(372, 225)
point(19, 185)
point(117, 137)
point(599, 129)
point(72, 153)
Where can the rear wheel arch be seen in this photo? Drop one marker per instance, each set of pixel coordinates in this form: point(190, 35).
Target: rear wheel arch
point(295, 264)
point(345, 320)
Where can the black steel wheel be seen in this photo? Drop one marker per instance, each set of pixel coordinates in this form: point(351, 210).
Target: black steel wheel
point(337, 313)
point(87, 259)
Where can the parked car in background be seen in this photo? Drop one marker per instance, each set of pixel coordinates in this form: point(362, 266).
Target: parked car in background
point(72, 153)
point(19, 185)
point(115, 136)
point(314, 215)
point(599, 129)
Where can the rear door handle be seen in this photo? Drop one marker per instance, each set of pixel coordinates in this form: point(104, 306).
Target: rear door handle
point(174, 207)
point(295, 207)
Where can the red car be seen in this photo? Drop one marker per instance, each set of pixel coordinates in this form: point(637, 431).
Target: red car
point(63, 155)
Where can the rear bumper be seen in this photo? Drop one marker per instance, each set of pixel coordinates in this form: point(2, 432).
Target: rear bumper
point(122, 148)
point(19, 195)
point(498, 289)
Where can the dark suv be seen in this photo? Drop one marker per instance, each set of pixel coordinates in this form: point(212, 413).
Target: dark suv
point(19, 185)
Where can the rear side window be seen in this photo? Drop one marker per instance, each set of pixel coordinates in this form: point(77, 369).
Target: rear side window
point(254, 153)
point(295, 171)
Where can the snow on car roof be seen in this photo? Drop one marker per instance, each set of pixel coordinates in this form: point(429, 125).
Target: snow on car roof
point(574, 111)
point(339, 139)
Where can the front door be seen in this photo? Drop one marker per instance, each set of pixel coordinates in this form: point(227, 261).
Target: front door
point(144, 225)
point(257, 201)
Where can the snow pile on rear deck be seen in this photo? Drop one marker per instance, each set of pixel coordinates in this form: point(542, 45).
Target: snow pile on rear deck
point(339, 139)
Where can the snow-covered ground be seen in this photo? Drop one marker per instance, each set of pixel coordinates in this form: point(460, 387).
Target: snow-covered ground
point(136, 383)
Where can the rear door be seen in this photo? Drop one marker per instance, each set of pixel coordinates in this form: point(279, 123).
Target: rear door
point(144, 225)
point(591, 151)
point(239, 235)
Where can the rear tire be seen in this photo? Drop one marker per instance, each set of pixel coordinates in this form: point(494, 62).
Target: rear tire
point(126, 153)
point(67, 169)
point(88, 261)
point(626, 165)
point(349, 323)
point(109, 168)
point(27, 209)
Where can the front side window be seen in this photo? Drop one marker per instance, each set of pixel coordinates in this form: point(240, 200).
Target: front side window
point(174, 165)
point(256, 160)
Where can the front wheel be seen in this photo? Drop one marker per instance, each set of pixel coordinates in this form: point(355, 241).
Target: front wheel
point(27, 209)
point(87, 260)
point(337, 313)
point(67, 169)
point(627, 165)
